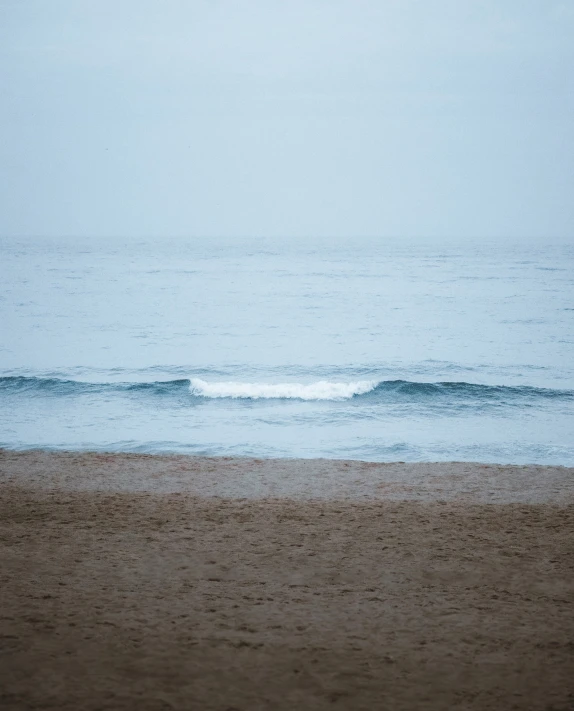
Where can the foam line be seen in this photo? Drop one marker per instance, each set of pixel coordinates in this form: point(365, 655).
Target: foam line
point(321, 390)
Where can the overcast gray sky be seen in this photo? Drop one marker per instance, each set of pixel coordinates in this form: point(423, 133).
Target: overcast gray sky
point(304, 117)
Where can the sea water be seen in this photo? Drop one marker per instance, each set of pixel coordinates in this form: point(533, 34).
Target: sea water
point(363, 349)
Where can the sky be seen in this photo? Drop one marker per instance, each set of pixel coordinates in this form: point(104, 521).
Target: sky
point(301, 118)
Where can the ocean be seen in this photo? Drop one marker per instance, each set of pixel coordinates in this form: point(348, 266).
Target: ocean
point(378, 350)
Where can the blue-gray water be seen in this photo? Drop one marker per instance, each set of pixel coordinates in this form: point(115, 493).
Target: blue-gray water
point(371, 350)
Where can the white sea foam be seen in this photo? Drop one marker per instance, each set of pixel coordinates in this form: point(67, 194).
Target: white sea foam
point(321, 390)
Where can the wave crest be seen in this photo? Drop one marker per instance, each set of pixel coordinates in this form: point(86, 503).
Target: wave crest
point(321, 390)
point(383, 391)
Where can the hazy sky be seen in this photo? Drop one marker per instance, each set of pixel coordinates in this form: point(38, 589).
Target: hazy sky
point(302, 117)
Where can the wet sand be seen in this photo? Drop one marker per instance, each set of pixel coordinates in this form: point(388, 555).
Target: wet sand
point(140, 582)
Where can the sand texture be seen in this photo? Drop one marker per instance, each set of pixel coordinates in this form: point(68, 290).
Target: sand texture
point(152, 583)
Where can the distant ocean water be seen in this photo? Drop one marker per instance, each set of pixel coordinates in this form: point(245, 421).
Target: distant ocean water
point(370, 349)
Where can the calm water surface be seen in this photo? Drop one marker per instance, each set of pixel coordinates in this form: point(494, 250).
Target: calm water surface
point(370, 350)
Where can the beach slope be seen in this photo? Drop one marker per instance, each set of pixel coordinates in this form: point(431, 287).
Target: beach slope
point(151, 583)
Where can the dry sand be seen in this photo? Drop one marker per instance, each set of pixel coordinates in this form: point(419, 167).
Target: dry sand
point(151, 583)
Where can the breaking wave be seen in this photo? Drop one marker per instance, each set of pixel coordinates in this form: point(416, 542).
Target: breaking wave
point(372, 390)
point(322, 390)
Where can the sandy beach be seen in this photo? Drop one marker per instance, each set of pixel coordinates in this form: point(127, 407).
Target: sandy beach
point(156, 582)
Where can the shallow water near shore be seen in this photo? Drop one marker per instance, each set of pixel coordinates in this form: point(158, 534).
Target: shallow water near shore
point(374, 350)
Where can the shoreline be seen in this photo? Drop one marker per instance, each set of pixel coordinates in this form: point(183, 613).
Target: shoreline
point(128, 583)
point(297, 479)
